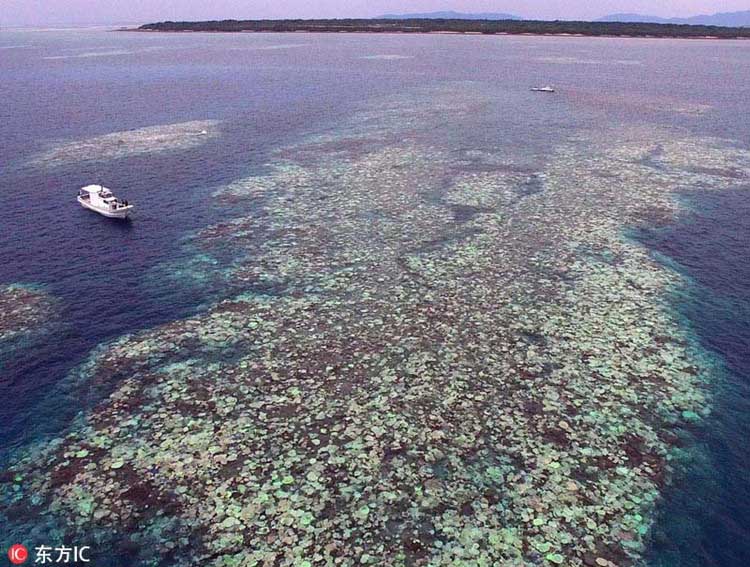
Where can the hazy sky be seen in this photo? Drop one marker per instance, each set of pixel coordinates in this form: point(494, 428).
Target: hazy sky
point(14, 12)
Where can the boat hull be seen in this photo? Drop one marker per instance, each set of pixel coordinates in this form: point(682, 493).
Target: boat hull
point(121, 213)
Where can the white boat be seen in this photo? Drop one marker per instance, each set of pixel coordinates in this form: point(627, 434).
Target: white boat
point(101, 200)
point(546, 89)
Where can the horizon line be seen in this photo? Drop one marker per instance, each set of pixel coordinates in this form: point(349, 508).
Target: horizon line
point(4, 26)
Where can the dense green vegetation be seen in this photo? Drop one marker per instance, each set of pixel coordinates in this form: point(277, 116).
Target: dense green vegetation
point(459, 26)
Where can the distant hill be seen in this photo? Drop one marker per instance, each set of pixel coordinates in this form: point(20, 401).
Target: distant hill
point(633, 19)
point(451, 16)
point(726, 19)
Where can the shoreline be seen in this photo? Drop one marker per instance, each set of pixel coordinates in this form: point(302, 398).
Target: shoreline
point(455, 27)
point(420, 32)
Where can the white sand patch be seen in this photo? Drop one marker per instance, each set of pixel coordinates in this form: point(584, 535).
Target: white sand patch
point(387, 57)
point(281, 46)
point(104, 53)
point(581, 61)
point(567, 60)
point(274, 47)
point(117, 145)
point(91, 54)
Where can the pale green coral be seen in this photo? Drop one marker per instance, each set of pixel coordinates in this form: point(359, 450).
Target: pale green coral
point(427, 385)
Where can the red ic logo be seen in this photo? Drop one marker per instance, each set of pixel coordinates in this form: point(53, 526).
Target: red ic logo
point(18, 554)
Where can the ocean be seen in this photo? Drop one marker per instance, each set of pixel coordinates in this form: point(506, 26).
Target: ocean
point(378, 301)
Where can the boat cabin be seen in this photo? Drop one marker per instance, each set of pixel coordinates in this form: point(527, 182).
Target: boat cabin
point(101, 197)
point(101, 200)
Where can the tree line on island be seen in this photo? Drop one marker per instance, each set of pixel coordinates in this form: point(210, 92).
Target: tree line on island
point(624, 29)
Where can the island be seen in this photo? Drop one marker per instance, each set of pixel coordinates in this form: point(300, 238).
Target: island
point(460, 26)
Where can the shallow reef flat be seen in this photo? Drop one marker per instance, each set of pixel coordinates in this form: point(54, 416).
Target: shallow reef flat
point(25, 312)
point(151, 139)
point(464, 361)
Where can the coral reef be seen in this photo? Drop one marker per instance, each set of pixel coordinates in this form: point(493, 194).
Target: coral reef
point(24, 312)
point(152, 139)
point(463, 362)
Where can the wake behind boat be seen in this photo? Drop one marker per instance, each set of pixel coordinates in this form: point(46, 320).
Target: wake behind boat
point(101, 200)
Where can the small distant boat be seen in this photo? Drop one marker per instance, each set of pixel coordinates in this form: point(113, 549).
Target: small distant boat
point(101, 200)
point(546, 89)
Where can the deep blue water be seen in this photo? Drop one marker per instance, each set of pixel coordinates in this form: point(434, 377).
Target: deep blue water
point(709, 524)
point(267, 90)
